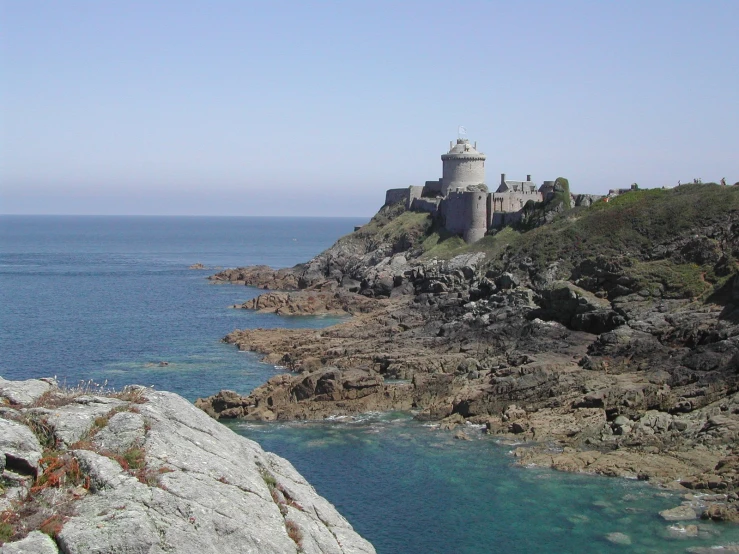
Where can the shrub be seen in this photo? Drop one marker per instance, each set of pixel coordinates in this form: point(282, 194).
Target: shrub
point(135, 458)
point(52, 526)
point(42, 429)
point(293, 531)
point(58, 469)
point(564, 185)
point(6, 532)
point(269, 479)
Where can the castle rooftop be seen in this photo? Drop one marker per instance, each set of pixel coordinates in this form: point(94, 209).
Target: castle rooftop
point(463, 149)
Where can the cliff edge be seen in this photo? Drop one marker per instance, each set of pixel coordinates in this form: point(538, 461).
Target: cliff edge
point(145, 471)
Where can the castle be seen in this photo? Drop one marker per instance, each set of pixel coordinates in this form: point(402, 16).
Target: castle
point(461, 200)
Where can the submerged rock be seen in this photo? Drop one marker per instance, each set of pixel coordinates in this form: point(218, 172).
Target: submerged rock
point(618, 538)
point(680, 513)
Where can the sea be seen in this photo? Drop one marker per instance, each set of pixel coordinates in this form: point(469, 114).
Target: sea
point(109, 301)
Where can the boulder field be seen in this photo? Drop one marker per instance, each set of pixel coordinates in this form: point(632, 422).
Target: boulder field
point(89, 471)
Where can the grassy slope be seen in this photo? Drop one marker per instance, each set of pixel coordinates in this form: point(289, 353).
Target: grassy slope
point(391, 225)
point(626, 228)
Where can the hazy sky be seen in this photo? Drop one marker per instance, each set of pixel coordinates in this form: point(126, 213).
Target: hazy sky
point(315, 108)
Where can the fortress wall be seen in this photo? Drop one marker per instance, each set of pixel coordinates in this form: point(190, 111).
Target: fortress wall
point(432, 188)
point(513, 201)
point(459, 173)
point(429, 205)
point(414, 192)
point(501, 219)
point(393, 196)
point(406, 196)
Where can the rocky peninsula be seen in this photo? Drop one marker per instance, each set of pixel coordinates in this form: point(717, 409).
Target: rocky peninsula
point(93, 471)
point(605, 337)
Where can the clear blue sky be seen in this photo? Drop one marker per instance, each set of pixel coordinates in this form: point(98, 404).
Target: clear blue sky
point(298, 108)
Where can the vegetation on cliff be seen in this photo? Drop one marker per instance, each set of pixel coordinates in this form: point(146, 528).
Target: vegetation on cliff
point(392, 225)
point(561, 194)
point(653, 234)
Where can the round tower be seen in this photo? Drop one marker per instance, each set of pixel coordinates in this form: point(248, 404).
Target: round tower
point(477, 212)
point(463, 166)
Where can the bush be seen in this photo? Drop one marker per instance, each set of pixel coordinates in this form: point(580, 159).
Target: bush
point(293, 531)
point(6, 532)
point(564, 185)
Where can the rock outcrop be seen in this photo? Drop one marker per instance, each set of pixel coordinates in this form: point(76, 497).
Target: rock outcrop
point(325, 298)
point(146, 471)
point(260, 276)
point(607, 337)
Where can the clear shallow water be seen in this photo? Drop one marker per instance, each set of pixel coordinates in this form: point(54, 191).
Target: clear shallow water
point(414, 489)
point(107, 298)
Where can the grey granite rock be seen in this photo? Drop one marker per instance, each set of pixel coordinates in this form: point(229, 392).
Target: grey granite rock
point(72, 422)
point(35, 543)
point(24, 393)
point(162, 476)
point(124, 430)
point(19, 447)
point(207, 490)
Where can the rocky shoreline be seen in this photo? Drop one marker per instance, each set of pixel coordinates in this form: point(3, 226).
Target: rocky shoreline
point(90, 471)
point(619, 361)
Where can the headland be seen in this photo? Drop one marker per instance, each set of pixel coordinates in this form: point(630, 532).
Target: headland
point(604, 334)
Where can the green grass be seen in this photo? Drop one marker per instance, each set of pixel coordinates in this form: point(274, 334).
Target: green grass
point(269, 480)
point(6, 532)
point(630, 223)
point(411, 223)
point(627, 228)
point(681, 280)
point(441, 244)
point(394, 225)
point(135, 458)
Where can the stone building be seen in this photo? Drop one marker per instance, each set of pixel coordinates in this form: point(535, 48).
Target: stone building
point(463, 168)
point(461, 199)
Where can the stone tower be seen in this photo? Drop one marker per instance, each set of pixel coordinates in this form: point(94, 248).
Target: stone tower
point(463, 166)
point(477, 225)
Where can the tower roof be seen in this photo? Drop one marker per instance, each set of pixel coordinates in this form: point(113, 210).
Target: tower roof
point(463, 149)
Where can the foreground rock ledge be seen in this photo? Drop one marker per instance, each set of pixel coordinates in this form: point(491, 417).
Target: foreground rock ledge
point(197, 485)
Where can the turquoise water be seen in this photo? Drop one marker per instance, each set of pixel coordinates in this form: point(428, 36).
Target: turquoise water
point(412, 488)
point(108, 298)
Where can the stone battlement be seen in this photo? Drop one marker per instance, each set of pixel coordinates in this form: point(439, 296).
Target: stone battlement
point(461, 201)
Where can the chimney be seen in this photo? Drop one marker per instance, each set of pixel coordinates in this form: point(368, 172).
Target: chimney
point(502, 178)
point(450, 145)
point(475, 145)
point(528, 177)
